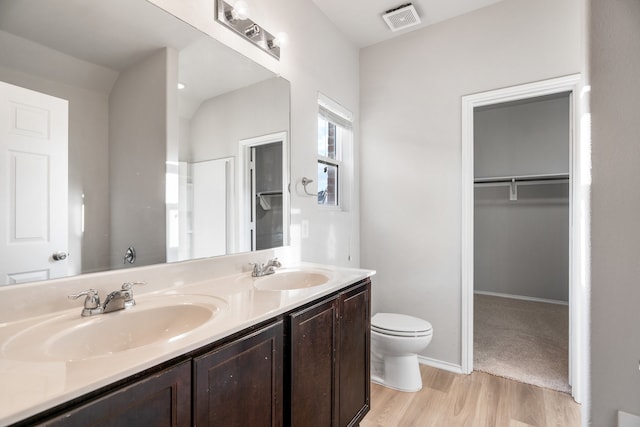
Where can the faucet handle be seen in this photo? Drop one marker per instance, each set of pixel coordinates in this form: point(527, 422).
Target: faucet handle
point(92, 299)
point(257, 267)
point(127, 286)
point(127, 292)
point(275, 263)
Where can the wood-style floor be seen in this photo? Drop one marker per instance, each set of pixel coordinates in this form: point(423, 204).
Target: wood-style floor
point(479, 399)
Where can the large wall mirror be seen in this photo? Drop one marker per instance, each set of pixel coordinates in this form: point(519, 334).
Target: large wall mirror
point(129, 138)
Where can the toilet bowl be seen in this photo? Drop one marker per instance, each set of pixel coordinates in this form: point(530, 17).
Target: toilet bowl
point(396, 340)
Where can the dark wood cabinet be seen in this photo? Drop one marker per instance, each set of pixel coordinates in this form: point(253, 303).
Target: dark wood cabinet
point(354, 387)
point(163, 399)
point(308, 367)
point(329, 364)
point(240, 384)
point(312, 365)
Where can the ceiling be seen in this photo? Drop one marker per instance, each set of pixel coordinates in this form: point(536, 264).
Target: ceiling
point(98, 32)
point(361, 20)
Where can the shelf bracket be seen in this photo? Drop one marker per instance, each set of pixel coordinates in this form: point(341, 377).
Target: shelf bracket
point(513, 190)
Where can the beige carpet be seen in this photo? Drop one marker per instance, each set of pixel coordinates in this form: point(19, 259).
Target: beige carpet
point(523, 340)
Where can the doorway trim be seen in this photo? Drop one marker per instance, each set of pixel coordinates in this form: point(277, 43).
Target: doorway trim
point(244, 187)
point(577, 253)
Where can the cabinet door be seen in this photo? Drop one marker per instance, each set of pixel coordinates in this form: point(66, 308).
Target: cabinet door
point(353, 356)
point(163, 399)
point(312, 365)
point(240, 384)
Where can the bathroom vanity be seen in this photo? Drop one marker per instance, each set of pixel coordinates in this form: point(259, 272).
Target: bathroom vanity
point(286, 349)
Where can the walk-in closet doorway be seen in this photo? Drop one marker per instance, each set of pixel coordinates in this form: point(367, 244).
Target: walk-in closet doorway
point(522, 220)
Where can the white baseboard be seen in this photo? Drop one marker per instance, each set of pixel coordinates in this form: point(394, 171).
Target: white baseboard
point(498, 294)
point(434, 363)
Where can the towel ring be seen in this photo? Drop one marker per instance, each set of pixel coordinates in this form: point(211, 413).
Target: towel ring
point(306, 181)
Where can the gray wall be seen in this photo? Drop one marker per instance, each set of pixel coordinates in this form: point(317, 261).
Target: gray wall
point(411, 89)
point(137, 153)
point(86, 87)
point(521, 247)
point(522, 138)
point(615, 202)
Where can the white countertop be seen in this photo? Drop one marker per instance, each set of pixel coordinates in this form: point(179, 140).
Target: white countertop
point(28, 387)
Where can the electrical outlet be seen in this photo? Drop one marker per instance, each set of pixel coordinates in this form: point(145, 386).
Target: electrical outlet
point(304, 225)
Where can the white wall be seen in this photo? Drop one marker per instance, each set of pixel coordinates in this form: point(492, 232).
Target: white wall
point(615, 202)
point(411, 90)
point(221, 122)
point(137, 154)
point(86, 86)
point(317, 58)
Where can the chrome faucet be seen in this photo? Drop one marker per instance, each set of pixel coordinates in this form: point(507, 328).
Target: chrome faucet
point(116, 300)
point(260, 270)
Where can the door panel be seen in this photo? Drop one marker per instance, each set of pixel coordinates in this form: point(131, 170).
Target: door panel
point(33, 184)
point(313, 368)
point(210, 207)
point(267, 196)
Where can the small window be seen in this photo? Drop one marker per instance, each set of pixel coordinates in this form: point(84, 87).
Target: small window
point(334, 132)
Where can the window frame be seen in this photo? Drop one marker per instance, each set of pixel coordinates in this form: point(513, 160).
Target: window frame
point(342, 119)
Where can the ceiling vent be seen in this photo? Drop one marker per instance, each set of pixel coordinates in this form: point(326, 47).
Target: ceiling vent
point(401, 17)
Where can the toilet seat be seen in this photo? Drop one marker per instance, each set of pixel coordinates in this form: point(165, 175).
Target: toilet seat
point(400, 325)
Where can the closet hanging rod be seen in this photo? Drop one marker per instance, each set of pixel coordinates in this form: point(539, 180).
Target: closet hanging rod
point(269, 193)
point(522, 178)
point(521, 183)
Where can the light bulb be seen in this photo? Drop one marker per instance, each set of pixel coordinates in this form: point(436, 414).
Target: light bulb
point(240, 10)
point(282, 39)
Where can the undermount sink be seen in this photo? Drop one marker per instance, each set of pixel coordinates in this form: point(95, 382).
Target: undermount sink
point(153, 321)
point(289, 280)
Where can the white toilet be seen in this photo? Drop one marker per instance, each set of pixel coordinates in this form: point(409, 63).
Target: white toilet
point(396, 340)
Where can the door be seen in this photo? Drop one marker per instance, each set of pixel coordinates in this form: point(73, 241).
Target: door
point(578, 237)
point(264, 192)
point(162, 399)
point(354, 349)
point(312, 369)
point(267, 195)
point(241, 383)
point(33, 185)
point(210, 207)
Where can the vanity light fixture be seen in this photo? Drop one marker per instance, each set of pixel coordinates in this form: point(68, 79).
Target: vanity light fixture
point(252, 31)
point(235, 17)
point(281, 40)
point(240, 10)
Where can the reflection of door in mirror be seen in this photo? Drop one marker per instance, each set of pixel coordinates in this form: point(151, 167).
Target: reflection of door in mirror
point(130, 128)
point(265, 191)
point(266, 197)
point(210, 207)
point(33, 142)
